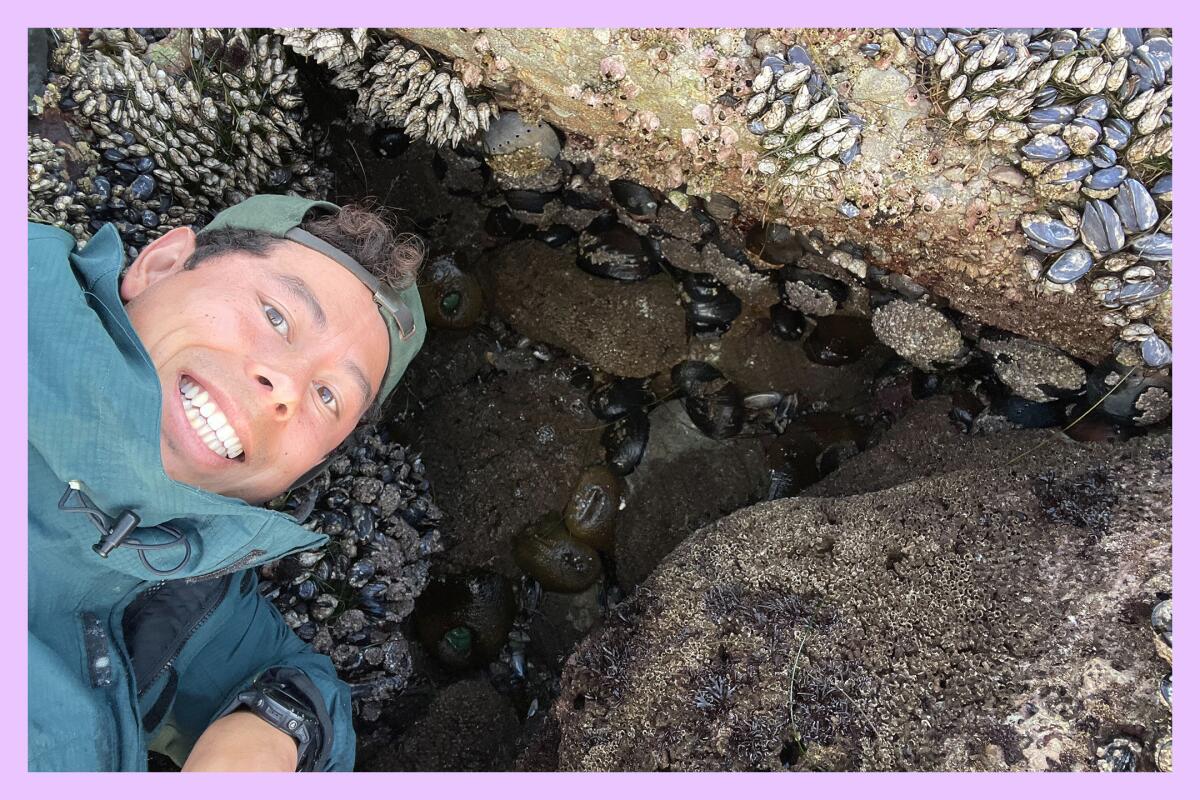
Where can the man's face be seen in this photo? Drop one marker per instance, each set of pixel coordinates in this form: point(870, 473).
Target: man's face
point(289, 347)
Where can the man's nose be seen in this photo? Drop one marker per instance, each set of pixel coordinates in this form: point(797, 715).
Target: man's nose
point(280, 390)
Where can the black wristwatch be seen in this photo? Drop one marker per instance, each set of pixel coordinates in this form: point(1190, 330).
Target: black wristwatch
point(272, 703)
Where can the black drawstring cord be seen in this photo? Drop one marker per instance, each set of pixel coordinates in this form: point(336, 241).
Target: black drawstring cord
point(115, 533)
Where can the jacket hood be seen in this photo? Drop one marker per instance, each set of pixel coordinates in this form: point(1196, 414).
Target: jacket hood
point(95, 414)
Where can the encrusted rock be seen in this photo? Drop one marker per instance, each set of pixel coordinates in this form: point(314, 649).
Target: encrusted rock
point(1033, 371)
point(920, 334)
point(946, 622)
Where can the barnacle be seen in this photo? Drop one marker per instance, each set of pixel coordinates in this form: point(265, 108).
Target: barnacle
point(184, 127)
point(398, 86)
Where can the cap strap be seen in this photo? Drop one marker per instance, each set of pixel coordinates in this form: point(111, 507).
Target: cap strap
point(383, 297)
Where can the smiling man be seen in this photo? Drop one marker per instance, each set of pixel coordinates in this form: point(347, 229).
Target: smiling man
point(166, 403)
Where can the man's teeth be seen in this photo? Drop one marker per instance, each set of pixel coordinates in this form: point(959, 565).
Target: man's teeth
point(208, 420)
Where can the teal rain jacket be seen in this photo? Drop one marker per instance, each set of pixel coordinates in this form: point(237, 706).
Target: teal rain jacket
point(119, 658)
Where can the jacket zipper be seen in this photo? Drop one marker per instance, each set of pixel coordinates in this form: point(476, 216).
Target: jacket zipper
point(183, 641)
point(236, 566)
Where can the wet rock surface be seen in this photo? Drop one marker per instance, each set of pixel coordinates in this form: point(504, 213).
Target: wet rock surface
point(633, 329)
point(508, 451)
point(681, 466)
point(932, 611)
point(469, 727)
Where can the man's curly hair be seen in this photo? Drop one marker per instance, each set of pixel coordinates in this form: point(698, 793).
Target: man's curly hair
point(363, 233)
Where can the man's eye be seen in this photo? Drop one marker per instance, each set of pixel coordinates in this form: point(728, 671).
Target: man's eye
point(276, 319)
point(327, 397)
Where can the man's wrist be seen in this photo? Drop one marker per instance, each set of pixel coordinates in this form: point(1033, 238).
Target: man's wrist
point(241, 742)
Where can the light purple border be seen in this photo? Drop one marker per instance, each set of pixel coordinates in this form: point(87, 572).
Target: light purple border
point(609, 13)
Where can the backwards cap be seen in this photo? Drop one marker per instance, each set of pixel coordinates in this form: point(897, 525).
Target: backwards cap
point(281, 215)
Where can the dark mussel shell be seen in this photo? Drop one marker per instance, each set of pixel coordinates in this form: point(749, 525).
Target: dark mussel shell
point(1072, 265)
point(1153, 246)
point(825, 290)
point(1156, 352)
point(1050, 117)
point(696, 377)
point(503, 224)
point(1135, 206)
point(1047, 234)
point(464, 620)
point(1046, 96)
point(1028, 414)
point(389, 142)
point(640, 202)
point(528, 200)
point(548, 552)
point(1101, 229)
point(710, 308)
point(1103, 156)
point(1044, 147)
point(1093, 107)
point(787, 323)
point(839, 339)
point(1117, 133)
point(591, 512)
point(142, 187)
point(1129, 402)
point(451, 297)
point(1161, 188)
point(718, 414)
point(1106, 178)
point(713, 403)
point(556, 235)
point(775, 243)
point(625, 441)
point(1129, 293)
point(614, 400)
point(609, 249)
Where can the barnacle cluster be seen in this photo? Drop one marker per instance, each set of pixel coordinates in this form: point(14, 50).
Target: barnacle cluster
point(398, 86)
point(1087, 113)
point(162, 134)
point(805, 128)
point(350, 598)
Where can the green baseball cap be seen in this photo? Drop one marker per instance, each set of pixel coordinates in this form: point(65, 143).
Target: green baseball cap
point(281, 215)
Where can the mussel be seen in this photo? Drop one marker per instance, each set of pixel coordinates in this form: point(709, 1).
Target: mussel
point(713, 402)
point(614, 400)
point(389, 142)
point(640, 202)
point(787, 323)
point(710, 307)
point(1130, 394)
point(625, 441)
point(609, 249)
point(775, 243)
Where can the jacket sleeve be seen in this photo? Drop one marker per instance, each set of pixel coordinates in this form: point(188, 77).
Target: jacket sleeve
point(248, 640)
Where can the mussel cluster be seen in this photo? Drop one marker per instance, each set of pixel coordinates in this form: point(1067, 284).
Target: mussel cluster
point(398, 86)
point(1087, 113)
point(805, 129)
point(164, 133)
point(350, 598)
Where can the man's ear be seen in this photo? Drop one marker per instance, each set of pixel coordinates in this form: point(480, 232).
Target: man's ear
point(165, 256)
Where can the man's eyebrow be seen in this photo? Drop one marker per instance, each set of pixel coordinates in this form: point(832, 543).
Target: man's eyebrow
point(299, 290)
point(360, 378)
